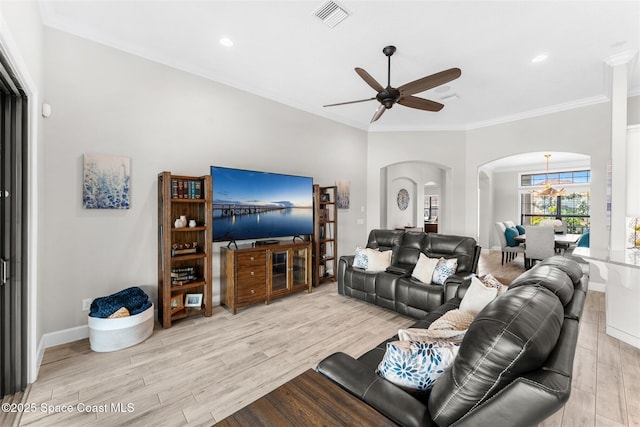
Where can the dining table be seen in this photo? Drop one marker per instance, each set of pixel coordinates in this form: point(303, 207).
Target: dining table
point(558, 237)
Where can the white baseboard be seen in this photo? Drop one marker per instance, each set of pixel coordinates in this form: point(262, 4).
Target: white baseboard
point(64, 336)
point(623, 336)
point(597, 286)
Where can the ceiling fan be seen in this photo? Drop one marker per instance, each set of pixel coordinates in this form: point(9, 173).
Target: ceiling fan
point(403, 95)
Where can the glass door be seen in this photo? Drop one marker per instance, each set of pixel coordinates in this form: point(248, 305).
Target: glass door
point(13, 226)
point(300, 273)
point(279, 269)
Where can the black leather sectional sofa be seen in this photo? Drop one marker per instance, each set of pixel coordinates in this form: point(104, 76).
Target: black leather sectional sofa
point(394, 288)
point(514, 366)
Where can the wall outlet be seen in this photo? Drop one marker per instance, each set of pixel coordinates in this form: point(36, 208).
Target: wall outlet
point(86, 304)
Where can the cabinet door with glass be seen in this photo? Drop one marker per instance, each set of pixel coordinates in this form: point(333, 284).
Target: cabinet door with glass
point(279, 283)
point(290, 270)
point(300, 268)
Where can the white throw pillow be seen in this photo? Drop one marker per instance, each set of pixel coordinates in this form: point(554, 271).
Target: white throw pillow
point(477, 297)
point(424, 268)
point(378, 261)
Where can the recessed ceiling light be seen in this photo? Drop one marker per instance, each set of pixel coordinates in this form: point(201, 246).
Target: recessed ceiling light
point(540, 58)
point(450, 97)
point(226, 42)
point(441, 89)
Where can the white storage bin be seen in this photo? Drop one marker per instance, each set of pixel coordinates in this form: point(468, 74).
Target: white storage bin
point(116, 334)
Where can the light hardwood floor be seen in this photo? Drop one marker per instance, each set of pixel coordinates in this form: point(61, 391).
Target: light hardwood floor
point(204, 369)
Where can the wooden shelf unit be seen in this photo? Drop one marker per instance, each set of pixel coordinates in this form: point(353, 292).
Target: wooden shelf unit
point(195, 204)
point(325, 234)
point(253, 274)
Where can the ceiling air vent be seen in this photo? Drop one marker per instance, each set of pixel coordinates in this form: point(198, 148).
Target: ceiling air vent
point(331, 13)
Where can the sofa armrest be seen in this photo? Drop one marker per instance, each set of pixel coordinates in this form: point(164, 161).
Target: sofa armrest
point(385, 397)
point(344, 262)
point(456, 285)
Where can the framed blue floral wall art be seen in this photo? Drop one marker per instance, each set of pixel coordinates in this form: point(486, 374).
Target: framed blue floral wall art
point(106, 182)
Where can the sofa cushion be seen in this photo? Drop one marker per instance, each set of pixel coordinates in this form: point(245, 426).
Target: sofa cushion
point(423, 270)
point(444, 269)
point(449, 246)
point(416, 299)
point(512, 335)
point(384, 239)
point(477, 296)
point(416, 365)
point(410, 249)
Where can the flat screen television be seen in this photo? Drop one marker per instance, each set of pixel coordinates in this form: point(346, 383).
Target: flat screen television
point(260, 205)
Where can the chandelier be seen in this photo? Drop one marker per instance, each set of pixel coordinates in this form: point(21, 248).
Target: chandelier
point(548, 189)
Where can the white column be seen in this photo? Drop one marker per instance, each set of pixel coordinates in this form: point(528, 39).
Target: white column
point(618, 67)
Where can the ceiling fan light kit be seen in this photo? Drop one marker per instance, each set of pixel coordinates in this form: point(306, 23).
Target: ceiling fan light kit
point(403, 95)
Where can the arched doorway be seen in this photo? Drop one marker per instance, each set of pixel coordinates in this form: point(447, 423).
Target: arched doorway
point(500, 186)
point(420, 181)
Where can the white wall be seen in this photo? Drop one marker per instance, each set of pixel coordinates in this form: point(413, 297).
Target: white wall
point(583, 130)
point(107, 101)
point(506, 202)
point(412, 176)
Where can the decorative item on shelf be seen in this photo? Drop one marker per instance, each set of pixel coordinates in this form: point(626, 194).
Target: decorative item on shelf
point(177, 303)
point(181, 222)
point(192, 223)
point(182, 275)
point(184, 248)
point(548, 189)
point(193, 300)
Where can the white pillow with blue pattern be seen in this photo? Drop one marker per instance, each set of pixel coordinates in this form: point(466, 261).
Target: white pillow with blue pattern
point(417, 365)
point(361, 259)
point(444, 269)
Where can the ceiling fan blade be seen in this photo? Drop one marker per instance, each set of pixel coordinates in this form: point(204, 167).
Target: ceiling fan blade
point(420, 103)
point(429, 82)
point(381, 109)
point(369, 80)
point(350, 102)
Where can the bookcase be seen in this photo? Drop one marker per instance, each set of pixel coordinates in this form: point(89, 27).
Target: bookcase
point(325, 234)
point(184, 247)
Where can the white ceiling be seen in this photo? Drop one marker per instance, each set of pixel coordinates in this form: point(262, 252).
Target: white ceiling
point(537, 162)
point(282, 52)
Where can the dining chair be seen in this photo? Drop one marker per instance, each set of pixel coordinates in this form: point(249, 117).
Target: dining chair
point(509, 253)
point(540, 244)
